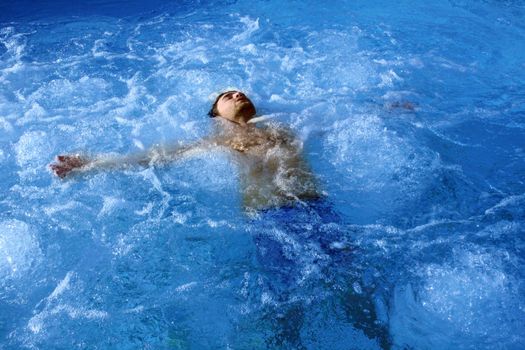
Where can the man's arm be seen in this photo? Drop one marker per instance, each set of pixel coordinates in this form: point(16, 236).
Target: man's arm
point(67, 164)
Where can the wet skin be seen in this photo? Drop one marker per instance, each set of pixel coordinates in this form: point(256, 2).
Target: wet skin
point(273, 171)
point(272, 168)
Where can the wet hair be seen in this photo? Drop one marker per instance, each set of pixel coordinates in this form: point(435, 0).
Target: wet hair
point(214, 111)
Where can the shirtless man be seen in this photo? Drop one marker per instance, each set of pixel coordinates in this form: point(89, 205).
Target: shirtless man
point(272, 169)
point(273, 174)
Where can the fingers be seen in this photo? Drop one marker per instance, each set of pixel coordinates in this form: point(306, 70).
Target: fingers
point(66, 163)
point(59, 170)
point(68, 159)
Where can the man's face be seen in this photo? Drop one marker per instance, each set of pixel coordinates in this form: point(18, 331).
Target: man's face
point(235, 106)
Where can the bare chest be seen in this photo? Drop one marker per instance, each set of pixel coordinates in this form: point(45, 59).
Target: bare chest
point(256, 143)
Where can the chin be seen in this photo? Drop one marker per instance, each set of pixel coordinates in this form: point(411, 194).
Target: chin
point(247, 111)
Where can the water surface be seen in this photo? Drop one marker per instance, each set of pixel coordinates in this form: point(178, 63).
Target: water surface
point(411, 115)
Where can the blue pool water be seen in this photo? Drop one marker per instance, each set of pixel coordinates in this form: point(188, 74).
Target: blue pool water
point(419, 243)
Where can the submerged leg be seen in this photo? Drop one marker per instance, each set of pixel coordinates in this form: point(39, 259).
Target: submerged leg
point(307, 258)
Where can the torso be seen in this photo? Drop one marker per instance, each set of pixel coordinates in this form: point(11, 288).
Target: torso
point(273, 171)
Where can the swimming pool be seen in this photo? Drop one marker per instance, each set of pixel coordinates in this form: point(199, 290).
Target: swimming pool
point(411, 114)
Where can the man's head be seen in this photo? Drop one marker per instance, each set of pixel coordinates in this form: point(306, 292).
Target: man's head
point(233, 106)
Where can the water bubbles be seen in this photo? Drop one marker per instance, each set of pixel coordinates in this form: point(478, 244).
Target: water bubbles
point(370, 153)
point(464, 302)
point(65, 302)
point(34, 112)
point(14, 42)
point(33, 151)
point(79, 95)
point(379, 167)
point(357, 288)
point(19, 250)
point(389, 78)
point(6, 126)
point(438, 241)
point(110, 204)
point(251, 27)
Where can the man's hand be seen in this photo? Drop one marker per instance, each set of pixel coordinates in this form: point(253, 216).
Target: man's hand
point(67, 163)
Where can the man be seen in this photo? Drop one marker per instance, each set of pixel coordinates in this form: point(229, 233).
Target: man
point(273, 171)
point(299, 246)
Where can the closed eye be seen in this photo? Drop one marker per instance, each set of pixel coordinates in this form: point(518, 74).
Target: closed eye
point(228, 96)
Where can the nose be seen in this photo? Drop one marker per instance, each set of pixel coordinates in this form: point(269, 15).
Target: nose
point(238, 94)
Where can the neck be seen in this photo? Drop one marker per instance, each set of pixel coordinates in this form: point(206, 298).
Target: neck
point(236, 123)
point(241, 120)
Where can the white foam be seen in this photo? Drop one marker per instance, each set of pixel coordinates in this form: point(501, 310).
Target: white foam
point(460, 303)
point(134, 99)
point(139, 144)
point(68, 97)
point(267, 299)
point(14, 42)
point(33, 149)
point(508, 201)
point(216, 223)
point(6, 125)
point(372, 155)
point(65, 299)
point(251, 27)
point(110, 204)
point(276, 98)
point(185, 287)
point(389, 78)
point(250, 48)
point(452, 65)
point(61, 287)
point(135, 310)
point(38, 322)
point(122, 246)
point(35, 112)
point(261, 118)
point(98, 48)
point(60, 208)
point(19, 249)
point(145, 210)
